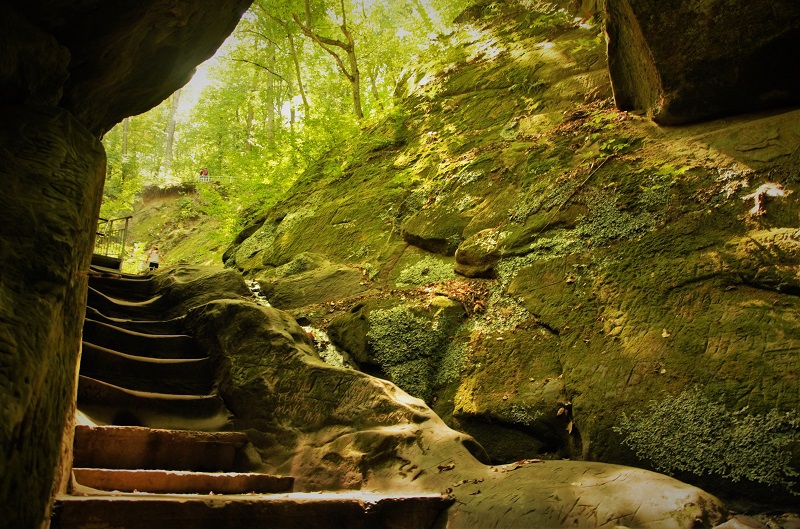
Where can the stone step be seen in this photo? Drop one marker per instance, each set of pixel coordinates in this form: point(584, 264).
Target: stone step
point(129, 289)
point(152, 327)
point(139, 344)
point(111, 264)
point(351, 510)
point(156, 375)
point(181, 482)
point(151, 309)
point(99, 269)
point(134, 448)
point(108, 404)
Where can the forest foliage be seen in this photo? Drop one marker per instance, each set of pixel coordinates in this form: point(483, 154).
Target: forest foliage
point(296, 78)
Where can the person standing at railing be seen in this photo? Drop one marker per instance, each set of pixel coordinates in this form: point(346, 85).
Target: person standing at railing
point(154, 257)
point(204, 174)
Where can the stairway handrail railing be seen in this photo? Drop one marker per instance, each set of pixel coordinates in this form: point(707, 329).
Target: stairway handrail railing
point(111, 241)
point(207, 179)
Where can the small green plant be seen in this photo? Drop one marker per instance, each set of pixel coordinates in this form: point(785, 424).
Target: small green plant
point(689, 433)
point(615, 146)
point(524, 414)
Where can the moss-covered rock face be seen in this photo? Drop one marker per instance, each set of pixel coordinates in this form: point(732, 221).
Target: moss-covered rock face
point(175, 220)
point(402, 341)
point(612, 262)
point(333, 429)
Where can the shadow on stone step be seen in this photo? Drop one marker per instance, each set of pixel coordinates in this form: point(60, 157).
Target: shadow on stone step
point(136, 343)
point(154, 327)
point(108, 404)
point(156, 375)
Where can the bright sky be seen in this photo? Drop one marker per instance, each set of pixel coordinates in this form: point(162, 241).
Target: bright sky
point(190, 93)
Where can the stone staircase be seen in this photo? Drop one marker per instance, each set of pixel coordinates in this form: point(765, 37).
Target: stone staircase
point(155, 447)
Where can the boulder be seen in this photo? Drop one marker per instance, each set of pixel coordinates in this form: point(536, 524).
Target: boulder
point(702, 58)
point(399, 340)
point(437, 229)
point(339, 429)
point(309, 279)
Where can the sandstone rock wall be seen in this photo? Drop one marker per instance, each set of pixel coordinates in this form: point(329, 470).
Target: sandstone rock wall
point(612, 264)
point(702, 58)
point(52, 170)
point(122, 58)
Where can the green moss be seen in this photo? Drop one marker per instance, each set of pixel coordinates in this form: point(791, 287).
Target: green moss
point(452, 365)
point(413, 376)
point(524, 414)
point(426, 271)
point(606, 221)
point(409, 345)
point(556, 243)
point(257, 242)
point(689, 433)
point(301, 263)
point(503, 313)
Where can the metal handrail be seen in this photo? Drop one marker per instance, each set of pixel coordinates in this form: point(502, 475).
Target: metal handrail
point(111, 239)
point(209, 179)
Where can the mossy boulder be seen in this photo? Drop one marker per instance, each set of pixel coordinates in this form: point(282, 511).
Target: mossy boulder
point(401, 341)
point(338, 429)
point(310, 279)
point(436, 229)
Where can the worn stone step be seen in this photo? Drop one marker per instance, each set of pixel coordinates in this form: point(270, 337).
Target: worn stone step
point(351, 510)
point(100, 270)
point(136, 343)
point(132, 448)
point(181, 482)
point(127, 288)
point(191, 376)
point(106, 263)
point(151, 309)
point(108, 404)
point(153, 327)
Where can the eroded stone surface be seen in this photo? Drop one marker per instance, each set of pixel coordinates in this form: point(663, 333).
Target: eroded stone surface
point(702, 58)
point(335, 428)
point(52, 171)
point(125, 57)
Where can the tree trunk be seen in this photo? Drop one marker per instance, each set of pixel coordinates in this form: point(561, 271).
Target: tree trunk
point(355, 75)
point(248, 146)
point(373, 83)
point(176, 97)
point(348, 47)
point(300, 87)
point(126, 127)
point(271, 121)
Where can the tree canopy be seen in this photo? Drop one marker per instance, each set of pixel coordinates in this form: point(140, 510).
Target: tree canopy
point(295, 78)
